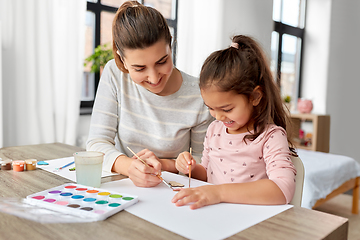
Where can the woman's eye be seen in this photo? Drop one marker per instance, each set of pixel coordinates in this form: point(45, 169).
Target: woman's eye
point(163, 62)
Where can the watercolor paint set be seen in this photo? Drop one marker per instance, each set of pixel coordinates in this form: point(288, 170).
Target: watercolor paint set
point(82, 201)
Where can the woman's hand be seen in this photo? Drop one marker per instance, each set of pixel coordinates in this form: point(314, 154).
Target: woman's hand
point(183, 161)
point(199, 196)
point(142, 175)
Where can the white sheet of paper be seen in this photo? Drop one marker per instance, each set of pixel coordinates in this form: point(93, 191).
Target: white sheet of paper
point(217, 221)
point(71, 175)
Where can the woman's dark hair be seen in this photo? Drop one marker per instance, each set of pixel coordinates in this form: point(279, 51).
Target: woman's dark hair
point(137, 26)
point(241, 68)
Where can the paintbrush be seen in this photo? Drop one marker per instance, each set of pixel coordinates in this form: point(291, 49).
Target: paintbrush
point(167, 184)
point(190, 169)
point(66, 165)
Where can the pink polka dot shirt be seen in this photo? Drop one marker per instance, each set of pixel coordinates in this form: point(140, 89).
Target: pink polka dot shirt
point(228, 159)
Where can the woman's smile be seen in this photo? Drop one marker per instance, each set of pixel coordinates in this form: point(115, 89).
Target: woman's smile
point(154, 84)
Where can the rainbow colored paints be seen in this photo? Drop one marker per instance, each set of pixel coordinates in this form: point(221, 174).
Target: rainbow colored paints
point(82, 201)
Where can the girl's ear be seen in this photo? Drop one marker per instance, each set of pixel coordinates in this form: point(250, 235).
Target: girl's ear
point(256, 96)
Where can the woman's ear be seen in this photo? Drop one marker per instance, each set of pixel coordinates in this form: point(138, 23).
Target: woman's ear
point(121, 58)
point(256, 96)
point(122, 61)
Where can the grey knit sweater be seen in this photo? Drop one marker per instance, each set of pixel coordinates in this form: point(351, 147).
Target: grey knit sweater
point(126, 114)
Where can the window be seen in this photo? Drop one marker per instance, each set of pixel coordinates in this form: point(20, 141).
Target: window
point(287, 44)
point(99, 16)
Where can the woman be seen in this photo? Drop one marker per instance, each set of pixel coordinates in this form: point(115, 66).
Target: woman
point(143, 102)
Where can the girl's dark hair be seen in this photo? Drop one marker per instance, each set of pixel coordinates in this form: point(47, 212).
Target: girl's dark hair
point(241, 70)
point(137, 26)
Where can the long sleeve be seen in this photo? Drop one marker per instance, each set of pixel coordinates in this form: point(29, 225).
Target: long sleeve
point(279, 167)
point(104, 119)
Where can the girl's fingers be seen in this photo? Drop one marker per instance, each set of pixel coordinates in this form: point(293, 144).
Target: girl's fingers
point(189, 158)
point(198, 204)
point(183, 197)
point(179, 196)
point(181, 168)
point(193, 162)
point(198, 197)
point(192, 198)
point(181, 163)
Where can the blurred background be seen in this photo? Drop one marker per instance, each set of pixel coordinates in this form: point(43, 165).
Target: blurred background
point(47, 92)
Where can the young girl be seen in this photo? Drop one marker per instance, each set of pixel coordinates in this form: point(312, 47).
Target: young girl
point(143, 102)
point(246, 150)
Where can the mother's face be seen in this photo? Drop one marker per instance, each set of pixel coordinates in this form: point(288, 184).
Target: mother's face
point(150, 67)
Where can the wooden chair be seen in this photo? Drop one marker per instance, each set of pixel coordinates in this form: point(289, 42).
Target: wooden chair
point(299, 178)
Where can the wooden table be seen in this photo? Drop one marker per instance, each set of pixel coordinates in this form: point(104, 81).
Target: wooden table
point(294, 223)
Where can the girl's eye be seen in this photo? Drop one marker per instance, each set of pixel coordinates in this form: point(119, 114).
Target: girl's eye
point(228, 110)
point(139, 69)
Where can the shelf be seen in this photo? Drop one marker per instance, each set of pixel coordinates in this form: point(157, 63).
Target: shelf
point(304, 147)
point(321, 131)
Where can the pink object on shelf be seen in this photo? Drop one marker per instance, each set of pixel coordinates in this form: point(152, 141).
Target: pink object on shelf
point(301, 133)
point(304, 105)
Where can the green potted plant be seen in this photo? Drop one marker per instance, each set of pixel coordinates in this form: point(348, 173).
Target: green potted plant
point(287, 99)
point(102, 54)
point(287, 102)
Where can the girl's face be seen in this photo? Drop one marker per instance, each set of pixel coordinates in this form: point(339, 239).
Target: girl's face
point(151, 67)
point(234, 110)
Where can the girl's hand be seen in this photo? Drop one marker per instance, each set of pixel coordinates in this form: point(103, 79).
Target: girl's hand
point(142, 175)
point(183, 161)
point(199, 196)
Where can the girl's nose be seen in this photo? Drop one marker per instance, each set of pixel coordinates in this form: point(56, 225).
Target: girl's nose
point(219, 116)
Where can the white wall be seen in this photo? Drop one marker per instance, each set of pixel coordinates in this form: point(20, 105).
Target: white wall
point(343, 102)
point(330, 69)
point(316, 54)
point(248, 17)
point(205, 26)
